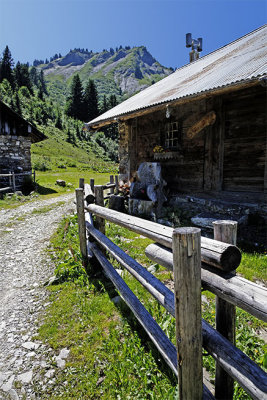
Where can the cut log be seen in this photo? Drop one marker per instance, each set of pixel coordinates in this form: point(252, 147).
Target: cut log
point(205, 121)
point(221, 255)
point(88, 194)
point(237, 291)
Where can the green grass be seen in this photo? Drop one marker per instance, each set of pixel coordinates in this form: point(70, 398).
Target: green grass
point(253, 266)
point(111, 357)
point(47, 187)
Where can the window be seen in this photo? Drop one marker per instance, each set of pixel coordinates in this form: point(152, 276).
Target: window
point(173, 135)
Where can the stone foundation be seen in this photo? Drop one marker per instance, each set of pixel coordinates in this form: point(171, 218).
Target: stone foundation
point(15, 156)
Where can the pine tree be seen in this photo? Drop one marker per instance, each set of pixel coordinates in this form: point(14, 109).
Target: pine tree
point(42, 83)
point(75, 103)
point(91, 101)
point(22, 76)
point(17, 106)
point(58, 122)
point(104, 106)
point(7, 64)
point(112, 101)
point(34, 76)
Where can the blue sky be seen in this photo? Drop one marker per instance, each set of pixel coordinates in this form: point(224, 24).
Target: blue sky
point(40, 28)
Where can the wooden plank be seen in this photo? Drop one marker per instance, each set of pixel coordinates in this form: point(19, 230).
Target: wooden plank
point(92, 184)
point(236, 363)
point(81, 225)
point(187, 284)
point(13, 182)
point(218, 254)
point(225, 231)
point(111, 179)
point(99, 200)
point(117, 184)
point(155, 333)
point(81, 183)
point(236, 290)
point(207, 120)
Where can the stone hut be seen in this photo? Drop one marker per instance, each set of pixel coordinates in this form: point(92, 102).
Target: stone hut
point(206, 125)
point(16, 137)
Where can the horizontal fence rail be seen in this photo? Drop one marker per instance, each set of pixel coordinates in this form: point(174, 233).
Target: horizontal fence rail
point(174, 250)
point(213, 252)
point(250, 376)
point(12, 179)
point(234, 289)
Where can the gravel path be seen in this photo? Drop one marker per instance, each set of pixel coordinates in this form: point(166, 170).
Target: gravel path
point(26, 364)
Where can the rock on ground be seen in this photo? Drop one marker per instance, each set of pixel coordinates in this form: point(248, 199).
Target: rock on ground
point(24, 268)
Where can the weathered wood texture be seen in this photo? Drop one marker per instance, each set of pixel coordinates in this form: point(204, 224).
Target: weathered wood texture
point(117, 185)
point(92, 184)
point(81, 183)
point(81, 225)
point(244, 144)
point(99, 200)
point(238, 291)
point(225, 231)
point(111, 180)
point(221, 255)
point(229, 155)
point(207, 120)
point(88, 194)
point(187, 289)
point(155, 333)
point(236, 363)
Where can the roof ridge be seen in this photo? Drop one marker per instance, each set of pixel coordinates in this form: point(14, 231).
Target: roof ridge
point(228, 44)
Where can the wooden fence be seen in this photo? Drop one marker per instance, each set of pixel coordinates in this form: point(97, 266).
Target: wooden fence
point(12, 180)
point(197, 262)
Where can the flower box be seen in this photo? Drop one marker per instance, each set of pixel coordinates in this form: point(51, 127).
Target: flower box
point(167, 156)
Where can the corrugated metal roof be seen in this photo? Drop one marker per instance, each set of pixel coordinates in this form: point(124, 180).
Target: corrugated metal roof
point(242, 60)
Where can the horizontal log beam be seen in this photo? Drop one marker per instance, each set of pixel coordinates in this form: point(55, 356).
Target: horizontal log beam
point(221, 255)
point(237, 364)
point(156, 334)
point(234, 289)
point(207, 120)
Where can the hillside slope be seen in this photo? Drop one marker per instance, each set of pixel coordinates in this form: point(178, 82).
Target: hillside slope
point(122, 72)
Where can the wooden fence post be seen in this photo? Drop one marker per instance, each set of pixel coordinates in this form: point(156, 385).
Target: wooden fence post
point(225, 231)
point(81, 183)
point(117, 184)
point(187, 283)
point(10, 179)
point(111, 179)
point(92, 184)
point(99, 200)
point(81, 224)
point(13, 181)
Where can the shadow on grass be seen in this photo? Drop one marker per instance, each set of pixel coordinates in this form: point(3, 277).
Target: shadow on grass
point(44, 190)
point(102, 283)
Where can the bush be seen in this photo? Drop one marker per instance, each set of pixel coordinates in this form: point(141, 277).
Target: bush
point(41, 165)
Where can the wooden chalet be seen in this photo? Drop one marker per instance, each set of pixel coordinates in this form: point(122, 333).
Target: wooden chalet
point(205, 124)
point(16, 137)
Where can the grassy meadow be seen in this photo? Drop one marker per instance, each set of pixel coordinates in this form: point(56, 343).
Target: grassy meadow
point(110, 355)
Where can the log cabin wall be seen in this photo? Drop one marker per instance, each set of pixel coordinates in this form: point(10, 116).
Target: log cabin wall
point(244, 140)
point(228, 155)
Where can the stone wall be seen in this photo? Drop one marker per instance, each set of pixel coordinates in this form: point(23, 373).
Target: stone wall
point(15, 156)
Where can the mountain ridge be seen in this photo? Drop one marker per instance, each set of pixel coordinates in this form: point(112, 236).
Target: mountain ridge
point(122, 72)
